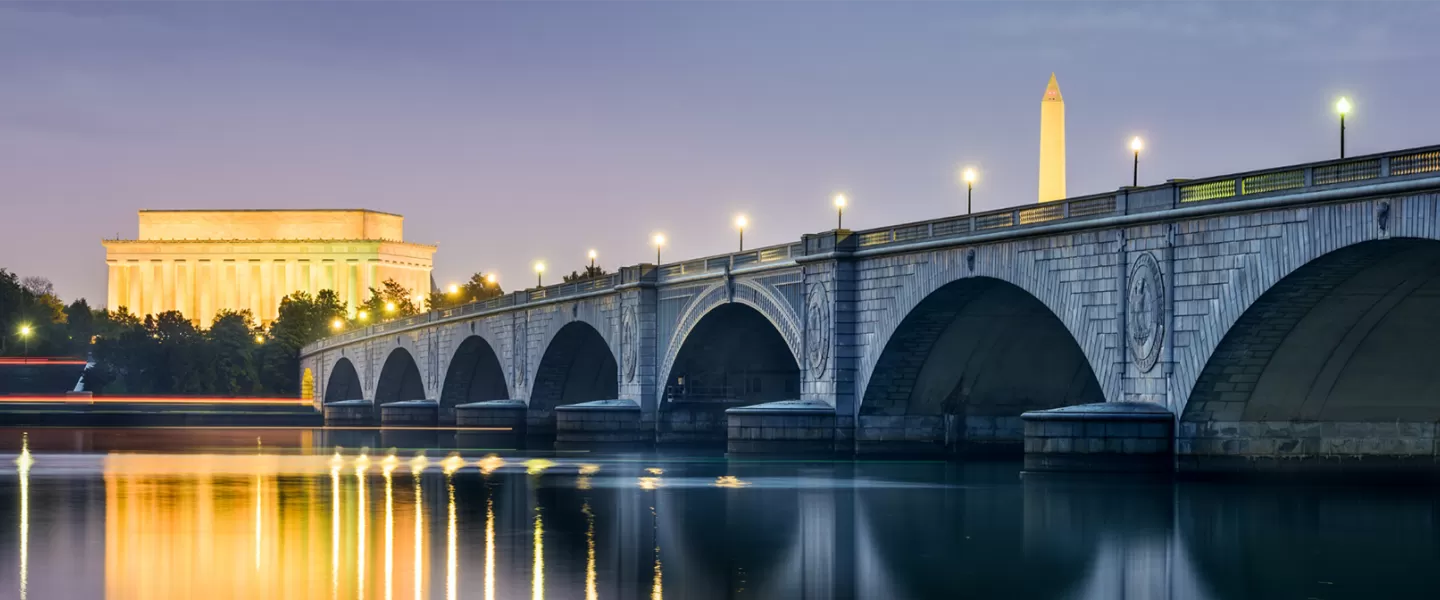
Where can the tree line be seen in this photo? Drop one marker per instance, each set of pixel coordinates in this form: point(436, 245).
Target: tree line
point(166, 353)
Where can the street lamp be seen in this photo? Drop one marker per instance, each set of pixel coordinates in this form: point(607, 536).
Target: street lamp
point(1136, 145)
point(539, 273)
point(337, 324)
point(740, 223)
point(1342, 106)
point(363, 315)
point(969, 177)
point(839, 211)
point(454, 289)
point(592, 260)
point(25, 332)
point(489, 279)
point(659, 241)
point(389, 307)
point(259, 338)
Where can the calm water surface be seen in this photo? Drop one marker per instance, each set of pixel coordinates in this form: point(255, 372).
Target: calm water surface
point(193, 513)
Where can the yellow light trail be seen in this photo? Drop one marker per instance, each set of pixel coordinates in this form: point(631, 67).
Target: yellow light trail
point(335, 526)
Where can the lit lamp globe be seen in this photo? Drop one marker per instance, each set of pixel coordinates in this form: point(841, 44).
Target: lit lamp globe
point(740, 223)
point(539, 273)
point(659, 241)
point(337, 324)
point(840, 201)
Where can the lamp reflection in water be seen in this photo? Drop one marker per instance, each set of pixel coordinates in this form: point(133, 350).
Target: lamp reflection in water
point(387, 468)
point(22, 465)
point(417, 467)
point(451, 560)
point(362, 510)
point(590, 591)
point(537, 578)
point(489, 544)
point(335, 464)
point(657, 587)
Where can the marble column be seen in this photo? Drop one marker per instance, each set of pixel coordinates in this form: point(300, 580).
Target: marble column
point(113, 286)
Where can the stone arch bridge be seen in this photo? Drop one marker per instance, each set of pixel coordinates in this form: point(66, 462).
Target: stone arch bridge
point(1271, 319)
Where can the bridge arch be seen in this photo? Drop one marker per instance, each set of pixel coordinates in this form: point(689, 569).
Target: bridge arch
point(399, 379)
point(343, 382)
point(577, 366)
point(1347, 336)
point(742, 305)
point(982, 349)
point(474, 374)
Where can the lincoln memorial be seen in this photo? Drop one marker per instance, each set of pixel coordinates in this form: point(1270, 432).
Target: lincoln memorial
point(202, 261)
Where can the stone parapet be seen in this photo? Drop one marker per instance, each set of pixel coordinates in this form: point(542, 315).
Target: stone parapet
point(1111, 436)
point(600, 422)
point(787, 426)
point(350, 412)
point(409, 413)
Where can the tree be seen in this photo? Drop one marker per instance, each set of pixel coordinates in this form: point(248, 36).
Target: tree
point(478, 288)
point(392, 301)
point(301, 320)
point(80, 323)
point(42, 313)
point(233, 347)
point(590, 271)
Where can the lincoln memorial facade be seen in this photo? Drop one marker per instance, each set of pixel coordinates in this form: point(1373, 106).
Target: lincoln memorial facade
point(202, 261)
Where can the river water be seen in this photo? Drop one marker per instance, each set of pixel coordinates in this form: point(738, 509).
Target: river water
point(187, 513)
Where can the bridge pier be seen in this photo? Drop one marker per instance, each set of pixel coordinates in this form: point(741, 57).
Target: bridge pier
point(360, 413)
point(601, 422)
point(784, 427)
point(1110, 436)
point(410, 413)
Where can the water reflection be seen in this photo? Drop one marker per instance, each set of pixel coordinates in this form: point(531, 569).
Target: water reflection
point(252, 525)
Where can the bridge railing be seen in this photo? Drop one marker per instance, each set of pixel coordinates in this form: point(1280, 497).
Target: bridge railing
point(1350, 172)
point(735, 260)
point(559, 290)
point(1362, 170)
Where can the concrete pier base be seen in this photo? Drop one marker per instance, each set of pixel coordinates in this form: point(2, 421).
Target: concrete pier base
point(692, 422)
point(784, 427)
point(509, 414)
point(600, 422)
point(410, 413)
point(350, 413)
point(1361, 449)
point(1109, 436)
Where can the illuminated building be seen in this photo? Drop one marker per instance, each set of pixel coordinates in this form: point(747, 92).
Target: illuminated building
point(201, 261)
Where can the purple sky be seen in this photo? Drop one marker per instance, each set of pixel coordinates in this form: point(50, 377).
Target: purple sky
point(507, 133)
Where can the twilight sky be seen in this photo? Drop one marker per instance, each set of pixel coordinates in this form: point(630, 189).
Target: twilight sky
point(506, 133)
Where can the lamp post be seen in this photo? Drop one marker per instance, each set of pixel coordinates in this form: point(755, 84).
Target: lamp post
point(337, 324)
point(390, 307)
point(25, 332)
point(539, 273)
point(969, 177)
point(363, 315)
point(840, 202)
point(659, 241)
point(592, 260)
point(1342, 106)
point(1136, 145)
point(454, 289)
point(489, 279)
point(740, 223)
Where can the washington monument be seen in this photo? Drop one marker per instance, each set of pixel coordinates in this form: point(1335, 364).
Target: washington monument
point(1052, 143)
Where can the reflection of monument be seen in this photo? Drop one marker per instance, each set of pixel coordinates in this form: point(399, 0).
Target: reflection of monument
point(1052, 143)
point(201, 261)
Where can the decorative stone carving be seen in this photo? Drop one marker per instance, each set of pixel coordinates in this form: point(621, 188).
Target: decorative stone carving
point(1382, 216)
point(629, 342)
point(817, 327)
point(970, 259)
point(1145, 315)
point(520, 349)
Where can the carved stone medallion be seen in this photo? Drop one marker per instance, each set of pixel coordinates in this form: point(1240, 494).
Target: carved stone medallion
point(629, 342)
point(1145, 318)
point(817, 327)
point(520, 353)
